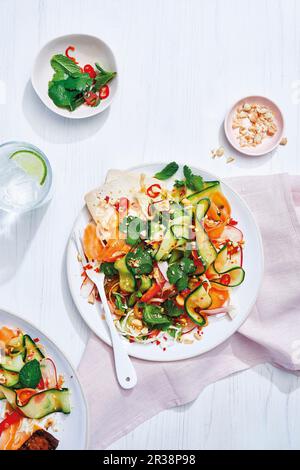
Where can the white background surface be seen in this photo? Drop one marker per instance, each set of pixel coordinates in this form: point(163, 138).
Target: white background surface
point(182, 63)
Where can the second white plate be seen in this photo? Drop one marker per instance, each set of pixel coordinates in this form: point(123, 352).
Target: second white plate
point(71, 430)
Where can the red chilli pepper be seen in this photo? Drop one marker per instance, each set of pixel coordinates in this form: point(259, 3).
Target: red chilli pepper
point(71, 48)
point(197, 261)
point(41, 384)
point(91, 99)
point(90, 70)
point(225, 279)
point(122, 205)
point(104, 92)
point(232, 222)
point(151, 192)
point(152, 292)
point(12, 418)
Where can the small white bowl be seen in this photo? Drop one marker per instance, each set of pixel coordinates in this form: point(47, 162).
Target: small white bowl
point(88, 50)
point(269, 143)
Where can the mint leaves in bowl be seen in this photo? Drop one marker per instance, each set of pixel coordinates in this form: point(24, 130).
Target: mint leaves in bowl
point(75, 76)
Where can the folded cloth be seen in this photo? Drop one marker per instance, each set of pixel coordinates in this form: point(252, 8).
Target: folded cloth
point(270, 334)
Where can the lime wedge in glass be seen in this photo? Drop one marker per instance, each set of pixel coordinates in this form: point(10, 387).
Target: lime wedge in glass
point(32, 163)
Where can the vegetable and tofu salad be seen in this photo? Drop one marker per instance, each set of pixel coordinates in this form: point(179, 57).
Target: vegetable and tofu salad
point(170, 257)
point(30, 390)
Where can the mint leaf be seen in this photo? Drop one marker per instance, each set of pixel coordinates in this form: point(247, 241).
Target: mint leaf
point(79, 83)
point(154, 316)
point(193, 182)
point(102, 78)
point(60, 96)
point(30, 374)
point(61, 63)
point(167, 171)
point(179, 184)
point(58, 76)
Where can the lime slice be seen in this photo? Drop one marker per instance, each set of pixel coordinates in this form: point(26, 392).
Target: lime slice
point(32, 163)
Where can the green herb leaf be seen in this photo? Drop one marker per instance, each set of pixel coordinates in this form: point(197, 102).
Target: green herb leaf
point(120, 302)
point(108, 269)
point(61, 63)
point(187, 265)
point(174, 273)
point(171, 309)
point(62, 97)
point(58, 76)
point(167, 171)
point(102, 78)
point(178, 272)
point(179, 184)
point(154, 316)
point(139, 261)
point(30, 374)
point(79, 83)
point(193, 182)
point(182, 283)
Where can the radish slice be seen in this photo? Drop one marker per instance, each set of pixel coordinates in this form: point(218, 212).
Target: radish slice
point(86, 288)
point(217, 311)
point(49, 373)
point(163, 267)
point(232, 233)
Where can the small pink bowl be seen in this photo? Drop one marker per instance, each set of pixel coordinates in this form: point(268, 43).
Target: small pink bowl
point(269, 143)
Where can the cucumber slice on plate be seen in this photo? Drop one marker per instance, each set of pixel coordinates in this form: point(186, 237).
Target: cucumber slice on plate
point(205, 248)
point(196, 301)
point(31, 163)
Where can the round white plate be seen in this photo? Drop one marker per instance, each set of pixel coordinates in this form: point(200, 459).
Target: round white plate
point(72, 430)
point(218, 330)
point(88, 50)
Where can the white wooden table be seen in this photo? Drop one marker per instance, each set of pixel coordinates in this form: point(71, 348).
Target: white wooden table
point(182, 63)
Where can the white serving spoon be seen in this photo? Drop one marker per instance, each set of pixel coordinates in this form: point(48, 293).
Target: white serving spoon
point(125, 371)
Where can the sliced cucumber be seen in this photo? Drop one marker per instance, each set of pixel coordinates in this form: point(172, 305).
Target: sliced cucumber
point(176, 210)
point(181, 231)
point(31, 350)
point(15, 346)
point(209, 189)
point(13, 364)
point(221, 259)
point(237, 276)
point(127, 280)
point(10, 378)
point(168, 244)
point(146, 283)
point(41, 404)
point(205, 248)
point(196, 301)
point(175, 256)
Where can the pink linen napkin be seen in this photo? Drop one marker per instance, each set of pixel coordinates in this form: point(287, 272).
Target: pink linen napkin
point(270, 334)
